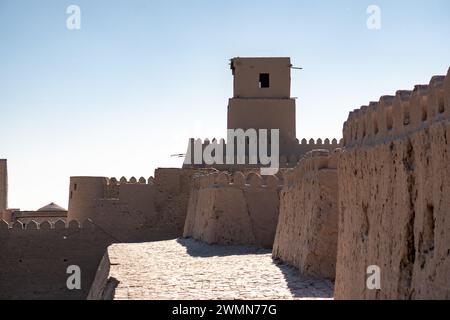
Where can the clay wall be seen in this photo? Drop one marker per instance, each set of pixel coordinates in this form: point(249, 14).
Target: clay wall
point(394, 196)
point(288, 160)
point(35, 258)
point(233, 209)
point(307, 230)
point(134, 210)
point(83, 193)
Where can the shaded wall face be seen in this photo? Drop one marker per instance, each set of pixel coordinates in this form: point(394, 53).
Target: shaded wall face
point(172, 191)
point(247, 75)
point(131, 217)
point(34, 262)
point(83, 194)
point(3, 186)
point(146, 212)
point(132, 211)
point(394, 202)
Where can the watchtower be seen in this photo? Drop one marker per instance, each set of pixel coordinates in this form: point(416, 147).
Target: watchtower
point(262, 98)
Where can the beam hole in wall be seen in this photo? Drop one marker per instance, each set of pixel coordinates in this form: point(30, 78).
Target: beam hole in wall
point(406, 118)
point(264, 80)
point(424, 114)
point(389, 120)
point(441, 105)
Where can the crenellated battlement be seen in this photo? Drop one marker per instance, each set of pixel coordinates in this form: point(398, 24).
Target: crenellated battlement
point(319, 142)
point(45, 225)
point(313, 161)
point(238, 179)
point(289, 160)
point(112, 187)
point(401, 114)
point(123, 180)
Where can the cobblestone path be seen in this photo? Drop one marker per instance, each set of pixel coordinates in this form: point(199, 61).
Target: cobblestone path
point(188, 269)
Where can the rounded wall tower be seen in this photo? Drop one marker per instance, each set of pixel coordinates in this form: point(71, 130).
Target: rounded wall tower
point(83, 193)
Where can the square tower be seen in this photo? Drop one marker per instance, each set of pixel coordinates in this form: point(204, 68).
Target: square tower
point(261, 78)
point(262, 98)
point(3, 186)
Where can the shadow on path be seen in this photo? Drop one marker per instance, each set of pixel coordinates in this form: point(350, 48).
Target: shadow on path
point(201, 249)
point(302, 286)
point(299, 285)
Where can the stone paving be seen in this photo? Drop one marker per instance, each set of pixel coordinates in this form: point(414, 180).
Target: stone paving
point(188, 269)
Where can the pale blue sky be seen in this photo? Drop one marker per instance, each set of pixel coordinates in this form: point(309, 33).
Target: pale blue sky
point(127, 90)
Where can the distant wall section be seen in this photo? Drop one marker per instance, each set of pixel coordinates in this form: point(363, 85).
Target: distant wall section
point(134, 210)
point(35, 258)
point(233, 209)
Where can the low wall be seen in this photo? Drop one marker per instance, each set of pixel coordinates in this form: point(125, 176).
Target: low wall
point(135, 210)
point(35, 258)
point(237, 209)
point(306, 234)
point(394, 187)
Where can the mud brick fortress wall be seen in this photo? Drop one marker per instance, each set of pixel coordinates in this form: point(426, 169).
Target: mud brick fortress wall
point(134, 210)
point(287, 160)
point(307, 230)
point(378, 197)
point(35, 257)
point(394, 187)
point(233, 209)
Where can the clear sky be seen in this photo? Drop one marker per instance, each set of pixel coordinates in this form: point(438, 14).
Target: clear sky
point(122, 94)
